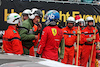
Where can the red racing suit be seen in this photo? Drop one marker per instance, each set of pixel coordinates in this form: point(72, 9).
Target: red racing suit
point(70, 38)
point(50, 41)
point(88, 46)
point(12, 41)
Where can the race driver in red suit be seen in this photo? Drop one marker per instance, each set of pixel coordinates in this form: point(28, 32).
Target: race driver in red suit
point(52, 37)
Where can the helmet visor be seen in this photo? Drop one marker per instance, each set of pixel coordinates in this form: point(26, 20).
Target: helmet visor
point(70, 22)
point(90, 21)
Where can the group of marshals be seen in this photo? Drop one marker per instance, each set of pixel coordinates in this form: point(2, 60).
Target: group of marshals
point(88, 34)
point(23, 34)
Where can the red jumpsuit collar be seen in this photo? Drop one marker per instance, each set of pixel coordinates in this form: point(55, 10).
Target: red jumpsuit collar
point(89, 28)
point(54, 26)
point(69, 28)
point(10, 27)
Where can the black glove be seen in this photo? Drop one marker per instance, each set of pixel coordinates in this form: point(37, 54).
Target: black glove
point(37, 55)
point(60, 26)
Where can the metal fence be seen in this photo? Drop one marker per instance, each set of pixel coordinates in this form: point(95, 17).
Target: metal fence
point(92, 2)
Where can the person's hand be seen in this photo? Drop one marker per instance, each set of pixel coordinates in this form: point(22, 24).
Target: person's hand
point(37, 55)
point(75, 48)
point(94, 37)
point(36, 37)
point(89, 39)
point(97, 45)
point(78, 32)
point(2, 48)
point(39, 26)
point(59, 59)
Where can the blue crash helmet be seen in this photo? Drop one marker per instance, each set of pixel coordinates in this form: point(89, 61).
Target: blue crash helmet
point(52, 17)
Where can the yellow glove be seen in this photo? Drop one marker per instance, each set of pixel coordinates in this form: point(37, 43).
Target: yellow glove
point(97, 46)
point(75, 48)
point(78, 32)
point(94, 37)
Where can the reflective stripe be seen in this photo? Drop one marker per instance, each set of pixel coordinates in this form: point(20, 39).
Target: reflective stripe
point(80, 44)
point(68, 46)
point(69, 34)
point(87, 44)
point(90, 44)
point(88, 33)
point(11, 39)
point(39, 48)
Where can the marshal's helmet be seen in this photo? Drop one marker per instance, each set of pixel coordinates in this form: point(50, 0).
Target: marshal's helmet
point(90, 19)
point(35, 12)
point(70, 20)
point(81, 21)
point(26, 12)
point(13, 18)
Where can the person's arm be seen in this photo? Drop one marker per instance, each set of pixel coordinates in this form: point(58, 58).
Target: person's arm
point(62, 48)
point(42, 42)
point(24, 33)
point(82, 39)
point(97, 40)
point(16, 44)
point(39, 27)
point(94, 37)
point(97, 36)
